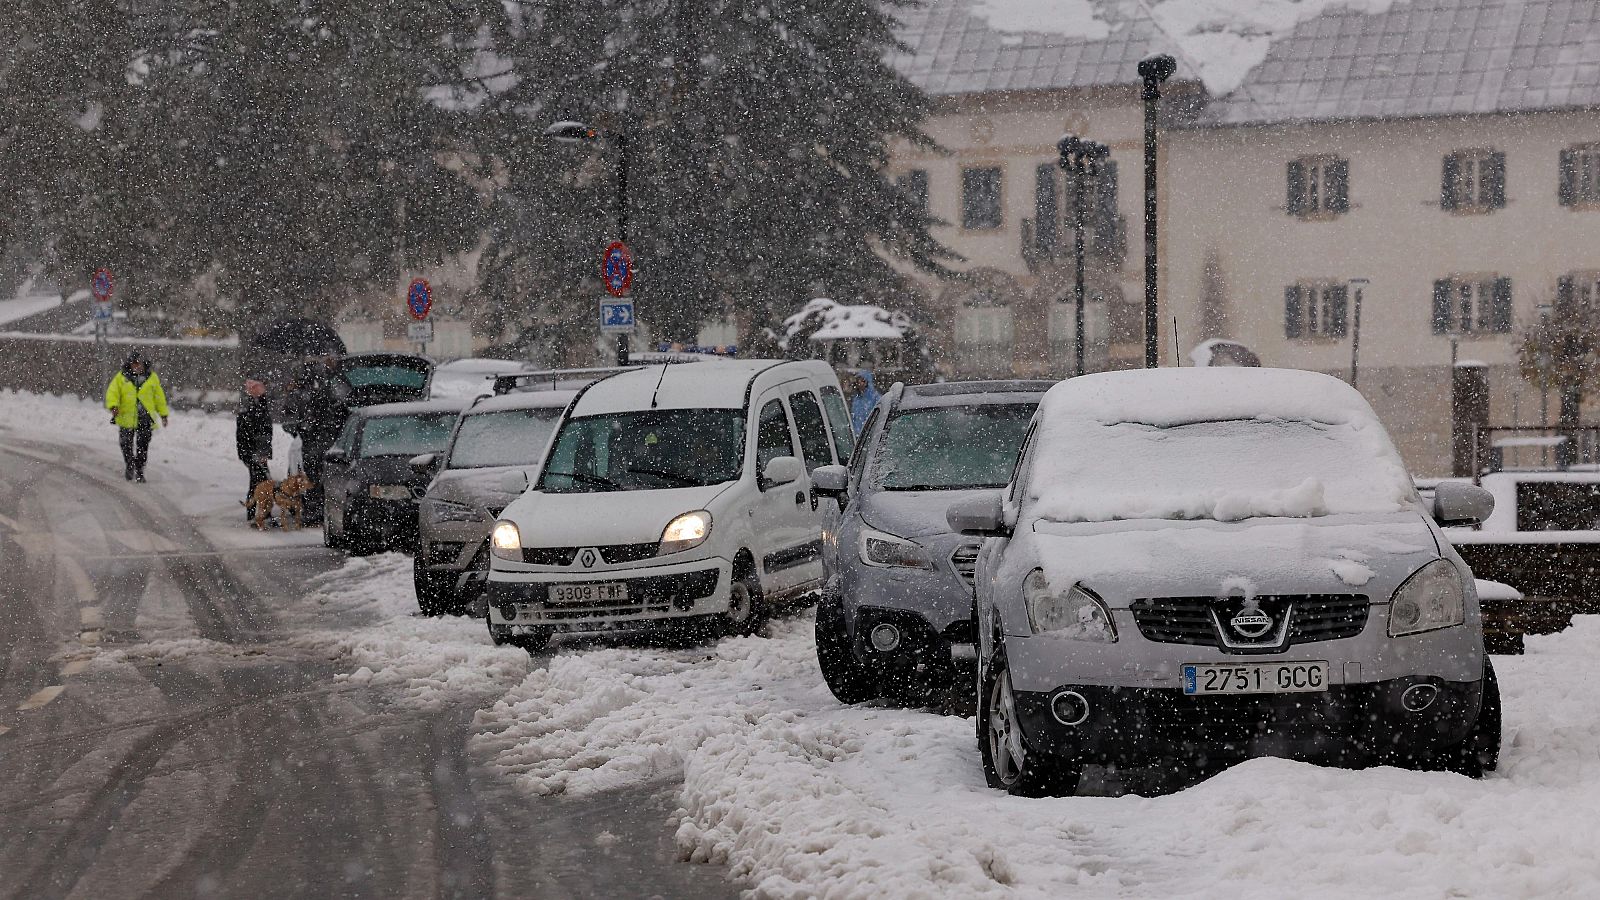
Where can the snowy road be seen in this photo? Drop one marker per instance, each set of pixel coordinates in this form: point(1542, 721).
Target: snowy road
point(173, 723)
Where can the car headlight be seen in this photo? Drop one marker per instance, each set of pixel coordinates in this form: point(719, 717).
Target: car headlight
point(1076, 614)
point(450, 511)
point(688, 530)
point(506, 541)
point(1433, 597)
point(389, 492)
point(886, 551)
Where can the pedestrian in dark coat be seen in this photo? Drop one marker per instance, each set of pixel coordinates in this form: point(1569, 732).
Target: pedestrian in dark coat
point(252, 434)
point(319, 405)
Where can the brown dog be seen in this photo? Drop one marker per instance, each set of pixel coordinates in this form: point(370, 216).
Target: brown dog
point(261, 497)
point(290, 497)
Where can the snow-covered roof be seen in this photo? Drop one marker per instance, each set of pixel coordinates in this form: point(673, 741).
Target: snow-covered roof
point(1272, 60)
point(523, 400)
point(713, 384)
point(840, 321)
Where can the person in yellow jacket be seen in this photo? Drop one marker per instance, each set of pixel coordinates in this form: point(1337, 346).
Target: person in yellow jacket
point(135, 399)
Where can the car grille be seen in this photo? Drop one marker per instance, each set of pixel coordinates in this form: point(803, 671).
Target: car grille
point(612, 554)
point(965, 561)
point(655, 593)
point(1312, 617)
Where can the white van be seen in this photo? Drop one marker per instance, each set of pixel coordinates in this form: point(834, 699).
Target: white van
point(673, 493)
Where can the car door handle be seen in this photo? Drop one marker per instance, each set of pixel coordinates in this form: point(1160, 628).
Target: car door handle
point(799, 498)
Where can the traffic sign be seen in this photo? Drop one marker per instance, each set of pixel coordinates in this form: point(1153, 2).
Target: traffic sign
point(616, 269)
point(616, 316)
point(419, 299)
point(419, 332)
point(101, 285)
point(102, 310)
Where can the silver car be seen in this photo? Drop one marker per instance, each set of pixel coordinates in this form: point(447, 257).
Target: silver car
point(895, 618)
point(1192, 566)
point(495, 438)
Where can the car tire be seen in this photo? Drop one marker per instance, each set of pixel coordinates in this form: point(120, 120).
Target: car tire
point(1478, 753)
point(533, 640)
point(1008, 764)
point(849, 681)
point(744, 615)
point(329, 539)
point(435, 591)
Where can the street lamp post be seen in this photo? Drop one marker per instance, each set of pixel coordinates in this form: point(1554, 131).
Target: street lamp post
point(1153, 71)
point(1081, 158)
point(1357, 286)
point(569, 132)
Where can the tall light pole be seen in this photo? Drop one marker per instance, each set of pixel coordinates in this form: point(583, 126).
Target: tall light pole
point(1358, 286)
point(1081, 158)
point(569, 132)
point(1153, 71)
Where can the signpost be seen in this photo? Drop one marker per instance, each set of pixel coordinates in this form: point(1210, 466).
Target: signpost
point(616, 316)
point(419, 300)
point(102, 285)
point(616, 270)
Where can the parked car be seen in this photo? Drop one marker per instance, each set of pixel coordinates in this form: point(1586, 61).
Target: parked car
point(673, 494)
point(368, 481)
point(895, 617)
point(492, 438)
point(376, 378)
point(1208, 564)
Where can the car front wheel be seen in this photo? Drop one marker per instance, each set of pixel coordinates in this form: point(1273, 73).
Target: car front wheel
point(744, 606)
point(435, 591)
point(1008, 764)
point(1478, 753)
point(849, 681)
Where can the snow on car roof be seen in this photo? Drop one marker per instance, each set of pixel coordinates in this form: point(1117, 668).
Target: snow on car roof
point(713, 384)
point(411, 408)
point(523, 400)
point(1210, 443)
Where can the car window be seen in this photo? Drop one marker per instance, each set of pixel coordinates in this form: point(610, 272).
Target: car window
point(366, 376)
point(512, 437)
point(858, 463)
point(1019, 477)
point(951, 447)
point(813, 431)
point(646, 450)
point(406, 435)
point(347, 437)
point(844, 440)
point(772, 435)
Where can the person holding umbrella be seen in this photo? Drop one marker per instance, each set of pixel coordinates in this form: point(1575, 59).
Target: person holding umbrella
point(135, 399)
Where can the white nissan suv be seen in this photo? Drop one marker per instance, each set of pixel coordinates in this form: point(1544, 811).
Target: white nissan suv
point(672, 494)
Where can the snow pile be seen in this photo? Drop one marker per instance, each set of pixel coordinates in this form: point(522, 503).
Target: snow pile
point(21, 307)
point(824, 320)
point(430, 661)
point(1269, 442)
point(803, 797)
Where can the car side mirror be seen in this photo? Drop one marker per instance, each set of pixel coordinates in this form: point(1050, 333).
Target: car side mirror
point(982, 515)
point(514, 482)
point(781, 470)
point(422, 463)
point(1458, 503)
point(831, 481)
point(335, 455)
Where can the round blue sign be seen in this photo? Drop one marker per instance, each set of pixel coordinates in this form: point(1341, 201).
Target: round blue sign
point(419, 298)
point(616, 269)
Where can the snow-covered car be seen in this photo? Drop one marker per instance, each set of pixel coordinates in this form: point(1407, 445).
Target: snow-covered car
point(1199, 565)
point(493, 438)
point(895, 617)
point(673, 494)
point(370, 487)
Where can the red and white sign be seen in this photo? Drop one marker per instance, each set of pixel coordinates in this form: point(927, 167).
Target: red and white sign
point(101, 285)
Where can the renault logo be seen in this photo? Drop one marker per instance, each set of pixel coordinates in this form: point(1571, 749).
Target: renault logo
point(587, 558)
point(1250, 621)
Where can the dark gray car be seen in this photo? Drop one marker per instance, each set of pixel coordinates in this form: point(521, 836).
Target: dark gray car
point(895, 618)
point(370, 486)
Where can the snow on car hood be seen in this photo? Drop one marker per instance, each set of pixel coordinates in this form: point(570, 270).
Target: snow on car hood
point(1336, 554)
point(911, 514)
point(600, 518)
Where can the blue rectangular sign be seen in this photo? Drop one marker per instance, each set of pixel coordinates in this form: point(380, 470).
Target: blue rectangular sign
point(616, 316)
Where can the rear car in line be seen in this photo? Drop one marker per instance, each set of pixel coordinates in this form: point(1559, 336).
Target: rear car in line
point(1194, 566)
point(370, 502)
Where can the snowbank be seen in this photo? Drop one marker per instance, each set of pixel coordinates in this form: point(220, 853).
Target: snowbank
point(1269, 442)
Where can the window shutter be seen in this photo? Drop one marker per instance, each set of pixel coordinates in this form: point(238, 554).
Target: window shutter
point(1291, 311)
point(1105, 210)
point(1338, 310)
point(1564, 298)
point(1500, 312)
point(1297, 187)
point(1338, 185)
point(1046, 214)
point(1494, 181)
point(1567, 189)
point(1447, 184)
point(1441, 306)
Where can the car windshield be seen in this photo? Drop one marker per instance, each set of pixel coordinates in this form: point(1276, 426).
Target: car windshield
point(399, 376)
point(643, 451)
point(952, 447)
point(513, 437)
point(406, 435)
point(1224, 470)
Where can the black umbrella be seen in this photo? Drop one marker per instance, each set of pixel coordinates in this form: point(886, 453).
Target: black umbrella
point(298, 337)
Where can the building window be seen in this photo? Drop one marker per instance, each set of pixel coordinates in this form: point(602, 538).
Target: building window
point(980, 198)
point(1315, 310)
point(1319, 186)
point(983, 338)
point(1472, 305)
point(914, 185)
point(1578, 295)
point(1580, 176)
point(1474, 181)
point(1046, 209)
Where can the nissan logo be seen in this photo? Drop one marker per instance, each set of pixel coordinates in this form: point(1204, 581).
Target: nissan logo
point(1251, 622)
